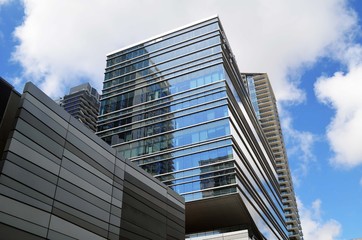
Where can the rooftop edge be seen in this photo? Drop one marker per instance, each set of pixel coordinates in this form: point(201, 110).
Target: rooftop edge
point(164, 34)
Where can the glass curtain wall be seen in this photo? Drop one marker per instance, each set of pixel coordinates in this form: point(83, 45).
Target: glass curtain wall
point(164, 106)
point(175, 106)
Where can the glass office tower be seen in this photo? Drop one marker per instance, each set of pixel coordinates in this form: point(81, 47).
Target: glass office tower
point(176, 105)
point(265, 106)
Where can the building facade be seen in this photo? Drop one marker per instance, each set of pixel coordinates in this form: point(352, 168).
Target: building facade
point(58, 180)
point(265, 106)
point(176, 106)
point(9, 99)
point(82, 102)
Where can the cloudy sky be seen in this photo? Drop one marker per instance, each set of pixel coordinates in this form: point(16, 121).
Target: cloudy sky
point(310, 49)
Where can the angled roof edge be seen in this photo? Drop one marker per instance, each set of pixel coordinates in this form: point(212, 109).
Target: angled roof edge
point(163, 34)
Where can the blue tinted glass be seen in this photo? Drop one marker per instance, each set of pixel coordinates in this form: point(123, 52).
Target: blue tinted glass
point(163, 42)
point(184, 152)
point(212, 97)
point(211, 182)
point(151, 55)
point(166, 56)
point(209, 193)
point(252, 93)
point(155, 91)
point(191, 161)
point(196, 172)
point(152, 74)
point(179, 138)
point(213, 93)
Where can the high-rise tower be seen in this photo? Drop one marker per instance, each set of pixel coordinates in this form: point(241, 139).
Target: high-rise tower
point(82, 102)
point(264, 104)
point(176, 105)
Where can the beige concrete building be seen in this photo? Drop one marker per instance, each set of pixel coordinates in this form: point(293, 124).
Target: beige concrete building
point(264, 104)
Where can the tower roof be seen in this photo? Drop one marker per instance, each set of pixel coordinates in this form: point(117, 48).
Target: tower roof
point(157, 37)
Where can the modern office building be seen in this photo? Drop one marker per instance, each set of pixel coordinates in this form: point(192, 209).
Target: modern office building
point(58, 180)
point(82, 102)
point(265, 106)
point(176, 105)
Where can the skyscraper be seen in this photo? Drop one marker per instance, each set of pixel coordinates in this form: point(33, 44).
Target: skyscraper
point(176, 105)
point(264, 104)
point(82, 102)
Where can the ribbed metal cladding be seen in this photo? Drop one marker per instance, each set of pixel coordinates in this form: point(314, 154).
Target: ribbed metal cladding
point(264, 103)
point(60, 181)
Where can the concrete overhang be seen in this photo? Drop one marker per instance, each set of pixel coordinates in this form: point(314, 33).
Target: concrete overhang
point(219, 212)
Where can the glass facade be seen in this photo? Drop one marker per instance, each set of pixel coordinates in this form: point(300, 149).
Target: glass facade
point(252, 94)
point(176, 106)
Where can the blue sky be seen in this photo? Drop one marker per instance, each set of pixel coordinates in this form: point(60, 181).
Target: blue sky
point(311, 50)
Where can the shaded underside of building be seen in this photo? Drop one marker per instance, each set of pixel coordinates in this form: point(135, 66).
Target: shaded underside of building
point(60, 181)
point(176, 105)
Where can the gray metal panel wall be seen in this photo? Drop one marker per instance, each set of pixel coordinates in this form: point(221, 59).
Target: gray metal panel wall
point(60, 181)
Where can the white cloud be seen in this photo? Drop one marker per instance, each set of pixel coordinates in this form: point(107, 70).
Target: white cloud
point(62, 43)
point(16, 82)
point(342, 92)
point(313, 226)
